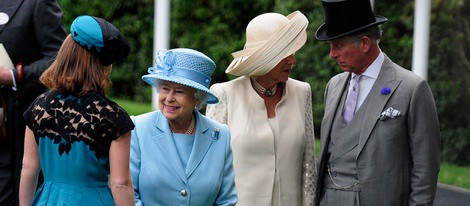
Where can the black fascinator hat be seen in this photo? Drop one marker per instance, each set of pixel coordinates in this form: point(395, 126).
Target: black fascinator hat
point(100, 37)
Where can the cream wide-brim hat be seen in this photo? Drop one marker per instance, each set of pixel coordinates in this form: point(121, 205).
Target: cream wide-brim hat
point(270, 37)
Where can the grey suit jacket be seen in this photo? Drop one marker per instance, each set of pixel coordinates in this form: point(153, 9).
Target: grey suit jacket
point(398, 159)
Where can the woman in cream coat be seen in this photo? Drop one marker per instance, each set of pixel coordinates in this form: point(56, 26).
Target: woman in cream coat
point(269, 115)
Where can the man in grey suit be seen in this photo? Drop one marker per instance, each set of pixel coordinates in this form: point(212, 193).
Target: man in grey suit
point(380, 137)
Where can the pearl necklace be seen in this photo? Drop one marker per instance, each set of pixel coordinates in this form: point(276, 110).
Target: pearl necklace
point(262, 90)
point(191, 127)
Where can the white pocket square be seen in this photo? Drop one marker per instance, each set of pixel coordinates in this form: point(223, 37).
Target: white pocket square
point(389, 113)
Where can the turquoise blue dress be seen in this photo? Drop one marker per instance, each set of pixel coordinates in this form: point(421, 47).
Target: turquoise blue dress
point(74, 134)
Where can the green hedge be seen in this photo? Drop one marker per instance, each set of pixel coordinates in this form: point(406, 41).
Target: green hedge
point(216, 27)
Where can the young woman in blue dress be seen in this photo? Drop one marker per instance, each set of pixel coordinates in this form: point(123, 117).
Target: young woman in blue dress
point(78, 137)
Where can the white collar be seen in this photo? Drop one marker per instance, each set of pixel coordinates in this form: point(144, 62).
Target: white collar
point(374, 69)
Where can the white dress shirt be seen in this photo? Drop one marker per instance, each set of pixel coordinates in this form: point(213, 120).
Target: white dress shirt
point(367, 81)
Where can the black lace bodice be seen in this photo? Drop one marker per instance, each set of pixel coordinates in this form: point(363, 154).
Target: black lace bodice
point(92, 118)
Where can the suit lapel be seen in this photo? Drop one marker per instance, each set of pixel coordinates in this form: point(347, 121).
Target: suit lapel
point(202, 143)
point(377, 101)
point(164, 141)
point(336, 95)
point(330, 109)
point(9, 7)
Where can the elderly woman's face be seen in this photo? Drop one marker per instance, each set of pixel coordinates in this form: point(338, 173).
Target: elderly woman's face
point(176, 101)
point(281, 72)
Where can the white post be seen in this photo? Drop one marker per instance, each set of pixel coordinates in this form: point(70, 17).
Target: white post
point(161, 35)
point(421, 37)
point(372, 4)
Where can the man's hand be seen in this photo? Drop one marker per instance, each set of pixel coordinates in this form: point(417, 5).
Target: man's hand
point(5, 77)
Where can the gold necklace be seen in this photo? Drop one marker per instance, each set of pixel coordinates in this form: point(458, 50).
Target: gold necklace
point(262, 90)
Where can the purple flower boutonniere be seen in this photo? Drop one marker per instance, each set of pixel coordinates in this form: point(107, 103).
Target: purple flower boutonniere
point(385, 91)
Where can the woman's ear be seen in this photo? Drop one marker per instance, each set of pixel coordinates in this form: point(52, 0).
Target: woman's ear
point(198, 103)
point(108, 69)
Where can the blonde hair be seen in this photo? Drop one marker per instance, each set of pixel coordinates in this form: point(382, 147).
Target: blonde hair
point(77, 71)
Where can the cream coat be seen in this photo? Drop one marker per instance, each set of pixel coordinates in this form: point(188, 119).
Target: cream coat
point(253, 142)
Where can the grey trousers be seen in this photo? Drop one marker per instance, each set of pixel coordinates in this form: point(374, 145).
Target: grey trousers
point(333, 197)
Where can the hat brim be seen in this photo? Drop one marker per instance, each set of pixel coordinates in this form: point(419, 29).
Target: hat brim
point(321, 35)
point(239, 69)
point(239, 66)
point(155, 79)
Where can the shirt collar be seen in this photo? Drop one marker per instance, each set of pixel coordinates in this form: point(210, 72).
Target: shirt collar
point(374, 69)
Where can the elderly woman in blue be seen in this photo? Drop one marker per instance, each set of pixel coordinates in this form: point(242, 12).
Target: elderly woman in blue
point(179, 156)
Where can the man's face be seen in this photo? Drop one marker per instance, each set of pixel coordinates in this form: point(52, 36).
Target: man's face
point(349, 56)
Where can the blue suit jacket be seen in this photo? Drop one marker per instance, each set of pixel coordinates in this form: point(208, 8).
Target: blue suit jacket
point(158, 175)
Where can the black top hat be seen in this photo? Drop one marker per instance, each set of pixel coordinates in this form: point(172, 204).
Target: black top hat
point(345, 17)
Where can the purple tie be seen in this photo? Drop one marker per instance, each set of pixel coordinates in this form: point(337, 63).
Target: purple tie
point(350, 105)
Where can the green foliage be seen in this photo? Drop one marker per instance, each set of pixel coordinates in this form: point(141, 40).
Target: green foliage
point(449, 76)
point(454, 175)
point(135, 21)
point(217, 28)
point(133, 108)
point(448, 68)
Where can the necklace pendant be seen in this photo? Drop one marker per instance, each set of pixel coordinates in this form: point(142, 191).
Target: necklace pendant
point(268, 92)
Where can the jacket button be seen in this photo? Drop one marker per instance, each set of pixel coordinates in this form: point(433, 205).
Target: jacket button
point(184, 193)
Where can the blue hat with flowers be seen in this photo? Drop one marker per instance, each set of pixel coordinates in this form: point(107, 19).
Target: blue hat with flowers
point(100, 37)
point(183, 66)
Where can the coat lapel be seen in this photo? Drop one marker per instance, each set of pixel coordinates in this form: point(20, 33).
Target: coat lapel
point(9, 7)
point(331, 103)
point(202, 143)
point(330, 108)
point(164, 141)
point(386, 78)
